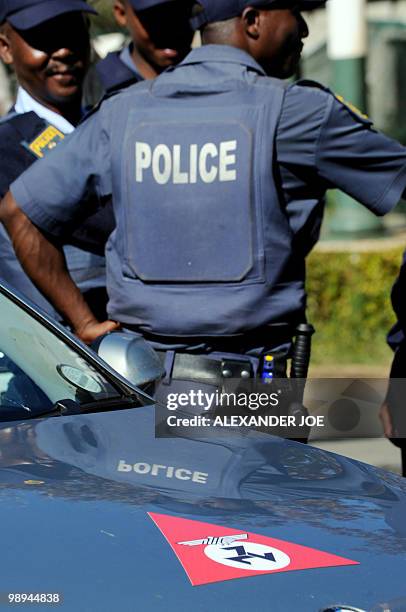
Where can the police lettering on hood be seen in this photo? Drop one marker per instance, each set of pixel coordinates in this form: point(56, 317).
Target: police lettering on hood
point(250, 465)
point(218, 170)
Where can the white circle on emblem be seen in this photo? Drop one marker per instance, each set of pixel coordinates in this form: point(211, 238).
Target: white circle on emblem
point(248, 556)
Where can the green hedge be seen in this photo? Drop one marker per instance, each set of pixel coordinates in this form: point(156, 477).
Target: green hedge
point(105, 22)
point(349, 304)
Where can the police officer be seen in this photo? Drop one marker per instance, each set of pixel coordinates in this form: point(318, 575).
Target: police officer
point(160, 37)
point(218, 174)
point(48, 45)
point(393, 413)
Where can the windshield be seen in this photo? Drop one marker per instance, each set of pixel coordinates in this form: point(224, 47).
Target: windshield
point(37, 369)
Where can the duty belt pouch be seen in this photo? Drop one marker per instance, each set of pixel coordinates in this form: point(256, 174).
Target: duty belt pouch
point(245, 386)
point(237, 378)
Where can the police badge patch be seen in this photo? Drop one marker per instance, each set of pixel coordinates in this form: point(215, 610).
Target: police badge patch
point(356, 112)
point(45, 142)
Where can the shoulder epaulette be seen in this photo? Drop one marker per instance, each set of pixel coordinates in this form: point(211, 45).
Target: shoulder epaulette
point(313, 84)
point(353, 110)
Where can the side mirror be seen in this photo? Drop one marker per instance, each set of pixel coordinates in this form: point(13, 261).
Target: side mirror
point(131, 356)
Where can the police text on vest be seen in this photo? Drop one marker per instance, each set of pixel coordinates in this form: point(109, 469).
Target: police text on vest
point(207, 163)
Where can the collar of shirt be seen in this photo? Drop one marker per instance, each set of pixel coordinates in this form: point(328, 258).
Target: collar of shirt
point(27, 104)
point(126, 58)
point(222, 54)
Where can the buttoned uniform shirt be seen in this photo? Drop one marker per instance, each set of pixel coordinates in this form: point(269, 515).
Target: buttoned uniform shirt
point(87, 269)
point(316, 143)
point(25, 103)
point(125, 57)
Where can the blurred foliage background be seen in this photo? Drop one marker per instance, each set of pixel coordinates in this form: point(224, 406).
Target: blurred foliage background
point(349, 304)
point(105, 22)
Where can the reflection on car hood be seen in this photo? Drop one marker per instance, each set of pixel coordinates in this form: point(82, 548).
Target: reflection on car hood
point(75, 493)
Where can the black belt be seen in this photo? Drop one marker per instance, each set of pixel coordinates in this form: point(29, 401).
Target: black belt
point(199, 369)
point(268, 336)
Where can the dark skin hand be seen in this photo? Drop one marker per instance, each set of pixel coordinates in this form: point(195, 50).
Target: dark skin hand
point(45, 265)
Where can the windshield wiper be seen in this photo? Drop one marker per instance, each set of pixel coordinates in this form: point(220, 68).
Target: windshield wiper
point(71, 407)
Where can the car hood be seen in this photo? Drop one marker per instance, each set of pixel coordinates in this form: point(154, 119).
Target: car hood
point(79, 495)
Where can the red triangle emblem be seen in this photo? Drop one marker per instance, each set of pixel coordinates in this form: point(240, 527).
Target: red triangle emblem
point(211, 553)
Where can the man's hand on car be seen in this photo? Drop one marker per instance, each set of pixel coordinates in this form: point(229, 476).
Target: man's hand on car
point(91, 330)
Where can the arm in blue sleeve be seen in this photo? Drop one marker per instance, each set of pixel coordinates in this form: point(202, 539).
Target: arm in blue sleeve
point(361, 161)
point(323, 144)
point(53, 190)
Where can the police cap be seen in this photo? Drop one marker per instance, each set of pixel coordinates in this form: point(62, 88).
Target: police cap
point(220, 10)
point(141, 5)
point(26, 14)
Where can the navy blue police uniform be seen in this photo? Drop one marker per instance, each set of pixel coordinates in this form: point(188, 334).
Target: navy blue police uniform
point(397, 341)
point(397, 335)
point(218, 175)
point(24, 138)
point(117, 70)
